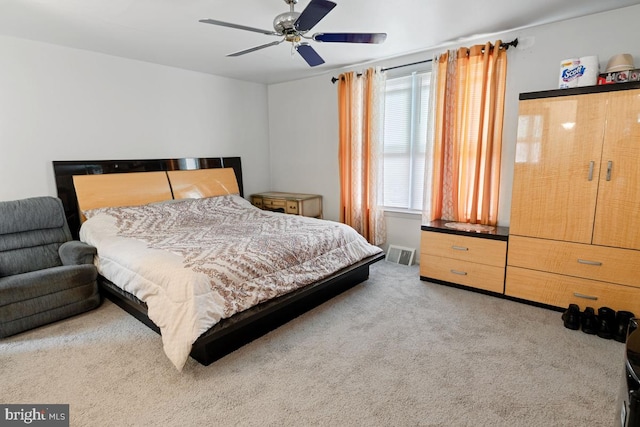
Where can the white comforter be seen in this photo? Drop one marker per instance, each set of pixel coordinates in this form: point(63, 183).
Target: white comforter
point(196, 261)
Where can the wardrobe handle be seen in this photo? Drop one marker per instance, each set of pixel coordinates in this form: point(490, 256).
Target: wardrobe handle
point(459, 273)
point(579, 295)
point(459, 248)
point(591, 164)
point(609, 167)
point(587, 262)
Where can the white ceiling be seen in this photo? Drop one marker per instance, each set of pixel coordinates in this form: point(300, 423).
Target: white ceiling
point(168, 32)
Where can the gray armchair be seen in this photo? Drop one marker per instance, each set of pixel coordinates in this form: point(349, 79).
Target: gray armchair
point(45, 276)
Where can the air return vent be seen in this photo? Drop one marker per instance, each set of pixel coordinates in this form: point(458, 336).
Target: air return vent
point(400, 255)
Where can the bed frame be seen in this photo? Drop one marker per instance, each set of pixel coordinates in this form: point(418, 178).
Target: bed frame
point(240, 329)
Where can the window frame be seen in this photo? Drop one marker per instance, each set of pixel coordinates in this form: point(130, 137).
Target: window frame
point(423, 70)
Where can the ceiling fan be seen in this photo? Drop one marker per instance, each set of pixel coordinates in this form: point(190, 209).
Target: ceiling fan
point(293, 26)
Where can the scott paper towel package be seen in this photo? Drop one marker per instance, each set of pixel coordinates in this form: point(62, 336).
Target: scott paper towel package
point(576, 72)
point(570, 70)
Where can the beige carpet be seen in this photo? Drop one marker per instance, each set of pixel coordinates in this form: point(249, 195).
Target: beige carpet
point(393, 351)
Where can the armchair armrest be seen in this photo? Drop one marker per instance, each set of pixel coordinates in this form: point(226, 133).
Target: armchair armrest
point(75, 252)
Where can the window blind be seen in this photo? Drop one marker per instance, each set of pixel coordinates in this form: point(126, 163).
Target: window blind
point(405, 133)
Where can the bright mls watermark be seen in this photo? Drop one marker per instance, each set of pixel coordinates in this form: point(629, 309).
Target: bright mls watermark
point(34, 415)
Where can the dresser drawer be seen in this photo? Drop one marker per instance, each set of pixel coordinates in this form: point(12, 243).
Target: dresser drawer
point(615, 265)
point(273, 204)
point(292, 207)
point(464, 248)
point(257, 202)
point(560, 291)
point(481, 276)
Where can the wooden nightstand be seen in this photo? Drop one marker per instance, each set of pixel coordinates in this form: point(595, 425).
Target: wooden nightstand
point(291, 203)
point(475, 260)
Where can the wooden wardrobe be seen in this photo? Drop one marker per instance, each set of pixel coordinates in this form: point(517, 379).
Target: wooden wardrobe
point(574, 234)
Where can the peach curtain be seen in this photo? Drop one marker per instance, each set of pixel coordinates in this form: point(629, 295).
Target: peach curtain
point(360, 115)
point(467, 133)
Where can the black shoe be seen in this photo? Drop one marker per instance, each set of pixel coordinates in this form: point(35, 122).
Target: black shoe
point(571, 317)
point(589, 321)
point(622, 324)
point(606, 322)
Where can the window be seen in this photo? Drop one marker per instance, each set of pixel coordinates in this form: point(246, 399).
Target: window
point(405, 136)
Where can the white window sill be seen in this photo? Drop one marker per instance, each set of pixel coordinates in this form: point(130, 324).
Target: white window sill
point(402, 213)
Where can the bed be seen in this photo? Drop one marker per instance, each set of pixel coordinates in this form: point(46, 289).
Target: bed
point(194, 285)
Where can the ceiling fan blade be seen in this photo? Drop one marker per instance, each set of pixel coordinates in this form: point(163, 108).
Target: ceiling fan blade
point(309, 55)
point(238, 27)
point(253, 49)
point(312, 14)
point(350, 37)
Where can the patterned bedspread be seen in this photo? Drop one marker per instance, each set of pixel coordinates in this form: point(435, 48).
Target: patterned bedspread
point(197, 261)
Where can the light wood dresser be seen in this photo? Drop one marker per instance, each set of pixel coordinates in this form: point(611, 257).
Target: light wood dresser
point(291, 203)
point(467, 258)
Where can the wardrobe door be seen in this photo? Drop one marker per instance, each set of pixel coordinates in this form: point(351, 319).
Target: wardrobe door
point(557, 165)
point(617, 220)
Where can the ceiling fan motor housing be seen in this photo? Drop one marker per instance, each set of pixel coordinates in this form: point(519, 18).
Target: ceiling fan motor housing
point(284, 23)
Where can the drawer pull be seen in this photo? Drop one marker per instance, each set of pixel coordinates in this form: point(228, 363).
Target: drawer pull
point(459, 248)
point(579, 295)
point(458, 272)
point(591, 164)
point(587, 262)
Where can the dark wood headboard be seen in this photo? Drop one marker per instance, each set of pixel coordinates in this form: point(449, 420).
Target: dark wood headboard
point(65, 170)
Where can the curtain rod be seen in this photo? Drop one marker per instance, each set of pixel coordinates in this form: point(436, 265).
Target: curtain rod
point(505, 46)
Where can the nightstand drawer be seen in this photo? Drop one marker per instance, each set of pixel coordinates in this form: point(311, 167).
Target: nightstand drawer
point(464, 248)
point(481, 276)
point(560, 291)
point(576, 259)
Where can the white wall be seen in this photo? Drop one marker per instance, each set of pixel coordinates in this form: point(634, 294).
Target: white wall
point(303, 119)
point(304, 141)
point(58, 103)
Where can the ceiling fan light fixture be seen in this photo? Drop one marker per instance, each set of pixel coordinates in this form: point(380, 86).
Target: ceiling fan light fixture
point(293, 38)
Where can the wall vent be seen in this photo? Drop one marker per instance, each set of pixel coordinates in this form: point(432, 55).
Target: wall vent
point(400, 255)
